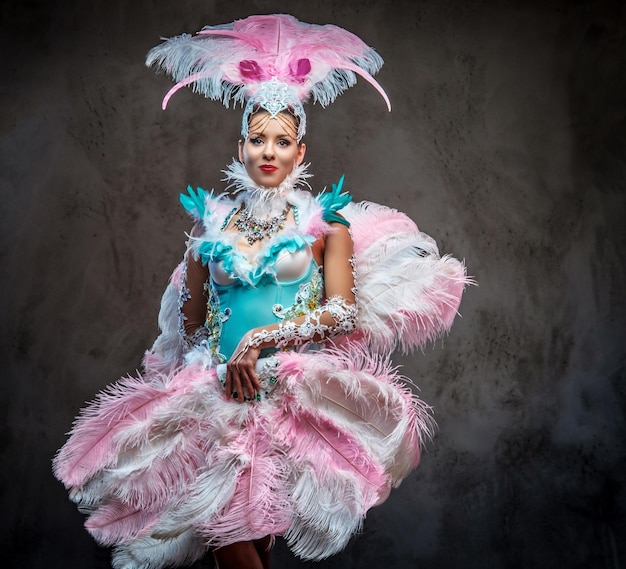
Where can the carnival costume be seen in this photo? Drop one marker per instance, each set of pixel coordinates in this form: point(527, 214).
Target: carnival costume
point(165, 464)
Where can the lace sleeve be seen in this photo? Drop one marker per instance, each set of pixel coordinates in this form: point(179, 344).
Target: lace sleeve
point(335, 318)
point(193, 302)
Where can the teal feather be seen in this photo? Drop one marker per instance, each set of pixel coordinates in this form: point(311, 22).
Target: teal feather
point(334, 201)
point(217, 252)
point(194, 202)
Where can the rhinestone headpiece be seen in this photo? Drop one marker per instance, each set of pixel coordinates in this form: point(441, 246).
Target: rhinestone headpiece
point(274, 96)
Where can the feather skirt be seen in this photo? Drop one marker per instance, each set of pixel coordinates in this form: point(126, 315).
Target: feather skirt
point(165, 466)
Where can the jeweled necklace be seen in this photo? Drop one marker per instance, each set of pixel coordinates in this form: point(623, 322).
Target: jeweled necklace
point(256, 229)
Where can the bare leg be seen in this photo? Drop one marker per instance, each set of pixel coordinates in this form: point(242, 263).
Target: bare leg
point(242, 555)
point(263, 549)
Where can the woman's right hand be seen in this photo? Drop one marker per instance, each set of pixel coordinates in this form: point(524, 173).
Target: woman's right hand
point(242, 382)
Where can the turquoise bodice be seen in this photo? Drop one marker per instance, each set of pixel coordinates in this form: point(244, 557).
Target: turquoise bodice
point(241, 307)
point(279, 281)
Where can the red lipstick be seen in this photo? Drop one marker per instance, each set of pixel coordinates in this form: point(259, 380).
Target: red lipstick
point(268, 168)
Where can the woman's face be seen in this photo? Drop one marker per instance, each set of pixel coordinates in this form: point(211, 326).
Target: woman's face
point(271, 149)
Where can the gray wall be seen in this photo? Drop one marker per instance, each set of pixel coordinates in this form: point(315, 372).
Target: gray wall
point(506, 142)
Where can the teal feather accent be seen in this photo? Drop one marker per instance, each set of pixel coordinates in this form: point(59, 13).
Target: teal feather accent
point(194, 202)
point(334, 201)
point(218, 252)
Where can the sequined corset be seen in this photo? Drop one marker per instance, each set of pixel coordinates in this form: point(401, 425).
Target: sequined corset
point(292, 286)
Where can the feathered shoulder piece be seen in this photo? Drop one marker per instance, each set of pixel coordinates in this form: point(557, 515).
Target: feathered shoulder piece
point(202, 205)
point(274, 61)
point(194, 201)
point(334, 201)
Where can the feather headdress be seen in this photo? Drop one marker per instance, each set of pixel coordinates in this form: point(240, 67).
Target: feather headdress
point(274, 62)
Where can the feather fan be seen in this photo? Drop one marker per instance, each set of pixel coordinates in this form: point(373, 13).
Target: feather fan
point(408, 294)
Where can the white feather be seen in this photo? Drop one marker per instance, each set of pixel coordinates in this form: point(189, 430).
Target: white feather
point(151, 553)
point(329, 510)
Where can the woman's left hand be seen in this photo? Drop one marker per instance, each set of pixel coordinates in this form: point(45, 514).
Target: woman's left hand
point(242, 382)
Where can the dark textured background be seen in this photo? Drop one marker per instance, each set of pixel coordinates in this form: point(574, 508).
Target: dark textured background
point(506, 142)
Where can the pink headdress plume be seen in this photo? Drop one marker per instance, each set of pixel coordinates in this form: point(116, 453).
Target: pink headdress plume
point(274, 62)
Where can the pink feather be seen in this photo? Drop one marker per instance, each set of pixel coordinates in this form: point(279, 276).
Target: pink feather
point(353, 387)
point(118, 522)
point(371, 222)
point(251, 70)
point(255, 42)
point(92, 445)
point(260, 504)
point(165, 476)
point(152, 360)
point(314, 224)
point(314, 442)
point(177, 276)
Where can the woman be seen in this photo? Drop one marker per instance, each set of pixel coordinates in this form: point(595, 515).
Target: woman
point(268, 405)
point(269, 154)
